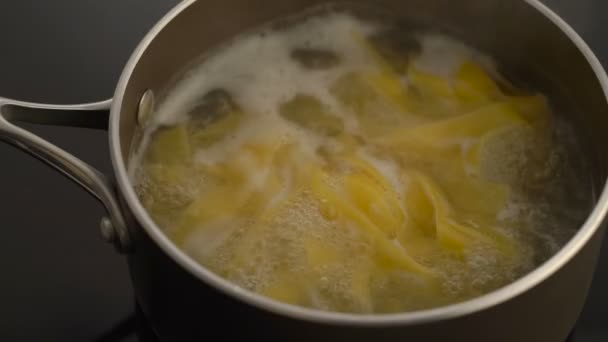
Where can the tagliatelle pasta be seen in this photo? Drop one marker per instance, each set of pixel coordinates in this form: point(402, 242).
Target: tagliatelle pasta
point(319, 166)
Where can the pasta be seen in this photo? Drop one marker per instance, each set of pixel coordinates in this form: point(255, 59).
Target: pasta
point(331, 176)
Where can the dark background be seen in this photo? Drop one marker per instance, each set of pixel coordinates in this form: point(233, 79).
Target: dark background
point(59, 281)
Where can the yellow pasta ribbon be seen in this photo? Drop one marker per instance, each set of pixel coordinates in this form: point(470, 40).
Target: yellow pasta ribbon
point(390, 255)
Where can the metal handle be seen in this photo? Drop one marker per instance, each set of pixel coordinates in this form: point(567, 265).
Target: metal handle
point(90, 115)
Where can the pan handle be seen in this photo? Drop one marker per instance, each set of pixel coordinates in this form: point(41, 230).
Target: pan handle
point(90, 115)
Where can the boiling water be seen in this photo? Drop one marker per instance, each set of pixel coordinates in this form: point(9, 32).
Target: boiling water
point(344, 165)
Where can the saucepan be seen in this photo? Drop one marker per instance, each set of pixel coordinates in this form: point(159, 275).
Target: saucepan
point(185, 301)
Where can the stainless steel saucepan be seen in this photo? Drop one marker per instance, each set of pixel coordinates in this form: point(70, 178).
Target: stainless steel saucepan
point(185, 301)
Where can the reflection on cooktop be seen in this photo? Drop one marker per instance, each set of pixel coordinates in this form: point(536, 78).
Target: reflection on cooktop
point(133, 328)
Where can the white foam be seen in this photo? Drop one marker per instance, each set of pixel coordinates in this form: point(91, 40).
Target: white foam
point(268, 75)
point(443, 55)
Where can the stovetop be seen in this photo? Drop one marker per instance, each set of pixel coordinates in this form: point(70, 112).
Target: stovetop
point(60, 282)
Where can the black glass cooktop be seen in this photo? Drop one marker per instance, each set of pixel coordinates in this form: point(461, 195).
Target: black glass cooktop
point(59, 281)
